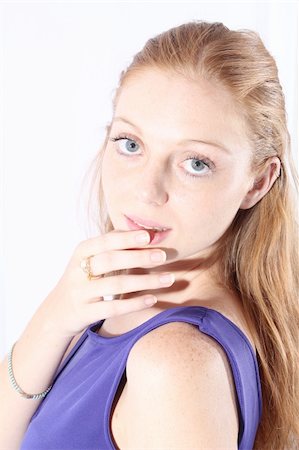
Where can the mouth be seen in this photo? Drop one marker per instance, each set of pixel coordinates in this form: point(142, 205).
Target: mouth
point(148, 224)
point(157, 232)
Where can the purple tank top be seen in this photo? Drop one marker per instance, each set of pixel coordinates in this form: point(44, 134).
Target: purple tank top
point(75, 415)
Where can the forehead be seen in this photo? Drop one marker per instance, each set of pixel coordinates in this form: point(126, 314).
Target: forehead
point(167, 100)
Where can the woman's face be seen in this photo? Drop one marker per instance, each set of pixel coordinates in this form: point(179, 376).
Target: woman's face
point(183, 160)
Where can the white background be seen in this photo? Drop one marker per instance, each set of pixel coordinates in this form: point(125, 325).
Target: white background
point(60, 63)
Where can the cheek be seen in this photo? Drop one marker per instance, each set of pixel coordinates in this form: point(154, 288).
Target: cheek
point(212, 208)
point(114, 168)
point(110, 175)
point(230, 189)
point(111, 190)
point(226, 202)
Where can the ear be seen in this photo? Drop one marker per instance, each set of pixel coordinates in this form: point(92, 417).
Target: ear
point(263, 183)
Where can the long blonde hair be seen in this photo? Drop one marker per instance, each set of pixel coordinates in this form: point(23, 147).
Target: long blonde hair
point(259, 252)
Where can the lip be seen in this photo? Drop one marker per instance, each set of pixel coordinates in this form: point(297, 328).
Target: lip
point(147, 223)
point(156, 236)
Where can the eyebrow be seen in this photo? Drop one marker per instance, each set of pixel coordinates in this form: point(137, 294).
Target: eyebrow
point(184, 141)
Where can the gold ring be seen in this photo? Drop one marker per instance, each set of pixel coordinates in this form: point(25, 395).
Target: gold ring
point(85, 266)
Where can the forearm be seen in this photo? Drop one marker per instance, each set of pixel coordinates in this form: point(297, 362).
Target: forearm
point(36, 357)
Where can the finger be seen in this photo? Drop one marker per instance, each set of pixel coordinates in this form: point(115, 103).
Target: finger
point(104, 310)
point(123, 284)
point(125, 259)
point(114, 240)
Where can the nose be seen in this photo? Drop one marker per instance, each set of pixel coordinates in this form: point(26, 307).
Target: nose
point(150, 187)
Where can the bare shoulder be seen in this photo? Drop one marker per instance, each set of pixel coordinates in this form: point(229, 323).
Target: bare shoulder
point(174, 343)
point(178, 346)
point(179, 381)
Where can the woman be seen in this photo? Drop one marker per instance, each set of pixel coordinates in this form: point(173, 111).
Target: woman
point(197, 153)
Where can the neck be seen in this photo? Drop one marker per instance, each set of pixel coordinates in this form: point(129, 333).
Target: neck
point(196, 282)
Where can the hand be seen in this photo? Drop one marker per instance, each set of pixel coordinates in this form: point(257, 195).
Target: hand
point(76, 302)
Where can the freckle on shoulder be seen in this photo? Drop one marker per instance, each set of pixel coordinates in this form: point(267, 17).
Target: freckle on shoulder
point(172, 343)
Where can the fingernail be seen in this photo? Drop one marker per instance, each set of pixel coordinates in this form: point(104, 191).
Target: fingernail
point(158, 256)
point(167, 278)
point(150, 300)
point(142, 238)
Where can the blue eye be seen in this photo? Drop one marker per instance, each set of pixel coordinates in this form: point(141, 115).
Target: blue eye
point(129, 145)
point(198, 165)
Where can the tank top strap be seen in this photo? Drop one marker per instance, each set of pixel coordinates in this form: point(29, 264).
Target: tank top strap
point(74, 350)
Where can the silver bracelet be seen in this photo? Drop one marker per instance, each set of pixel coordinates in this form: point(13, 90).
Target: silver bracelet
point(15, 384)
